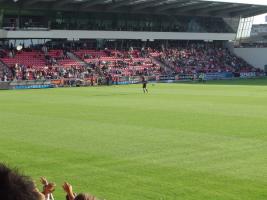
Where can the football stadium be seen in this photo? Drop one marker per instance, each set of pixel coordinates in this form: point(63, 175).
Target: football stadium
point(132, 100)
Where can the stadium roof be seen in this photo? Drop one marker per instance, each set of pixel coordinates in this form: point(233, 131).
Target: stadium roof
point(226, 8)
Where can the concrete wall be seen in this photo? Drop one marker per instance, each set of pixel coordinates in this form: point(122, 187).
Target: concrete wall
point(254, 56)
point(72, 34)
point(3, 33)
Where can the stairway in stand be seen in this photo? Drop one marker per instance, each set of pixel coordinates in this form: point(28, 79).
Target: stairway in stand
point(81, 62)
point(165, 66)
point(4, 69)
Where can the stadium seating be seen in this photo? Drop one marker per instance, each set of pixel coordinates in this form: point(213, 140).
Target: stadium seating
point(194, 59)
point(201, 59)
point(124, 63)
point(33, 64)
point(31, 58)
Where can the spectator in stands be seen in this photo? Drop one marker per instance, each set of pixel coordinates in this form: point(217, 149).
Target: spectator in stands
point(5, 77)
point(71, 196)
point(48, 188)
point(15, 186)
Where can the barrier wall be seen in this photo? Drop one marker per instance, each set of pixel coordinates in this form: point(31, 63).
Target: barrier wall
point(76, 34)
point(257, 57)
point(15, 85)
point(219, 76)
point(125, 80)
point(4, 85)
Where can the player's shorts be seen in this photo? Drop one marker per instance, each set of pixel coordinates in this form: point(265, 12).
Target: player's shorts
point(144, 85)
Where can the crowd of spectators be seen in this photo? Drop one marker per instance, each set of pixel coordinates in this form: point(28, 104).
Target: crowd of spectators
point(108, 65)
point(201, 58)
point(41, 64)
point(120, 63)
point(17, 186)
point(49, 64)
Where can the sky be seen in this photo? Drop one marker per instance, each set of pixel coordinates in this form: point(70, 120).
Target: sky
point(260, 19)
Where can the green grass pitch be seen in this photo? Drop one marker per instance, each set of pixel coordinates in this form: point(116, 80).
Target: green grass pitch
point(179, 142)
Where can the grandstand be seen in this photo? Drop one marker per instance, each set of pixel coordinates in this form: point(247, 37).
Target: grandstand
point(120, 40)
point(122, 19)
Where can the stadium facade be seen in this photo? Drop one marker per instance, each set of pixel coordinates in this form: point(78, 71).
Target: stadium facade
point(124, 19)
